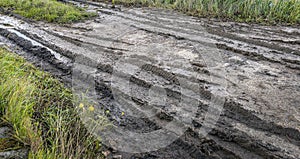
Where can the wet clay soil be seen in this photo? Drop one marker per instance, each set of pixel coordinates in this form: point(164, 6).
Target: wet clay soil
point(254, 68)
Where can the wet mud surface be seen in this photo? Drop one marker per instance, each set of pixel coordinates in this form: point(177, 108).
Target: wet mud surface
point(252, 70)
point(9, 146)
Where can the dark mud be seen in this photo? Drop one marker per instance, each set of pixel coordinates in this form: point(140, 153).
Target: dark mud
point(255, 68)
point(10, 148)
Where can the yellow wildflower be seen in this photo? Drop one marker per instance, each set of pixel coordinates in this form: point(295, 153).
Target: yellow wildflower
point(81, 105)
point(91, 108)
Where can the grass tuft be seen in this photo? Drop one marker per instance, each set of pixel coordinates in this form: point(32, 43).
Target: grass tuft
point(41, 112)
point(46, 10)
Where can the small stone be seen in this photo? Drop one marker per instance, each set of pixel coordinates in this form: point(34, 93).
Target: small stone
point(270, 73)
point(117, 156)
point(236, 59)
point(106, 153)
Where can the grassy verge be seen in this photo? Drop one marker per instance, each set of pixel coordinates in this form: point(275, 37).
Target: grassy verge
point(262, 11)
point(40, 110)
point(46, 10)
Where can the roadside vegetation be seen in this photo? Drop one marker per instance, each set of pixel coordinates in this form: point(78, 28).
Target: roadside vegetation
point(260, 11)
point(40, 110)
point(46, 10)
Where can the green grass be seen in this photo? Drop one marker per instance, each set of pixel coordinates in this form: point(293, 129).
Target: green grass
point(46, 10)
point(261, 11)
point(40, 110)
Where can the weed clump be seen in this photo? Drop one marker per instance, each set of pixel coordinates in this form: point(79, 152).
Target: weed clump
point(40, 110)
point(46, 10)
point(261, 11)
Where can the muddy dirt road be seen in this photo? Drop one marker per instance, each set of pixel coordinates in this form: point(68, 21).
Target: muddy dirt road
point(170, 67)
